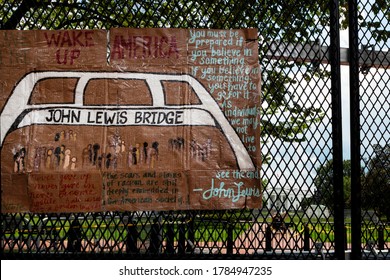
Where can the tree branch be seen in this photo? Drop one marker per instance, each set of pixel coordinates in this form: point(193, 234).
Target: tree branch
point(20, 12)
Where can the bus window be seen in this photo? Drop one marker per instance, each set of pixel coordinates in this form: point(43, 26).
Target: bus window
point(179, 93)
point(130, 92)
point(54, 91)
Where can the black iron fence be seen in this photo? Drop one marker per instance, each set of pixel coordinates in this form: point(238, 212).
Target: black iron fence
point(184, 234)
point(318, 160)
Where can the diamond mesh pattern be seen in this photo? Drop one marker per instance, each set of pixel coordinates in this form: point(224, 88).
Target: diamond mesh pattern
point(375, 129)
point(297, 219)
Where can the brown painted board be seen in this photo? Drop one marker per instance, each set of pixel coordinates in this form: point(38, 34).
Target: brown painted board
point(130, 119)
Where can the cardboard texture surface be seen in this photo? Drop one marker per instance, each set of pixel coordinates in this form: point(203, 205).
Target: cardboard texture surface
point(129, 119)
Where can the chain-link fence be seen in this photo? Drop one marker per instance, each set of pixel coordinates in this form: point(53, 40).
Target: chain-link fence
point(315, 184)
point(370, 132)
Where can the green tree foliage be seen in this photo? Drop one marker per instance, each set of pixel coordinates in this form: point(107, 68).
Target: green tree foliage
point(377, 19)
point(323, 182)
point(376, 185)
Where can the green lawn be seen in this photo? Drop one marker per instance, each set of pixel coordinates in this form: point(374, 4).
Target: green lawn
point(214, 229)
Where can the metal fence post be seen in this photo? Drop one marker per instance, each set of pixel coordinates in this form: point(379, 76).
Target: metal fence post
point(337, 138)
point(268, 238)
point(356, 219)
point(74, 236)
point(132, 236)
point(191, 231)
point(170, 249)
point(381, 238)
point(306, 238)
point(230, 240)
point(155, 237)
point(182, 237)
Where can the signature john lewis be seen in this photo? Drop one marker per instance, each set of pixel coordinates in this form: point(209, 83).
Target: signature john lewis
point(236, 191)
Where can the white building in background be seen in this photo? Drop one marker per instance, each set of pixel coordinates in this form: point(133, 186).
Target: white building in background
point(286, 198)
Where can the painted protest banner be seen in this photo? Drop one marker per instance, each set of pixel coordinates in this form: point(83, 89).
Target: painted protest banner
point(129, 119)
